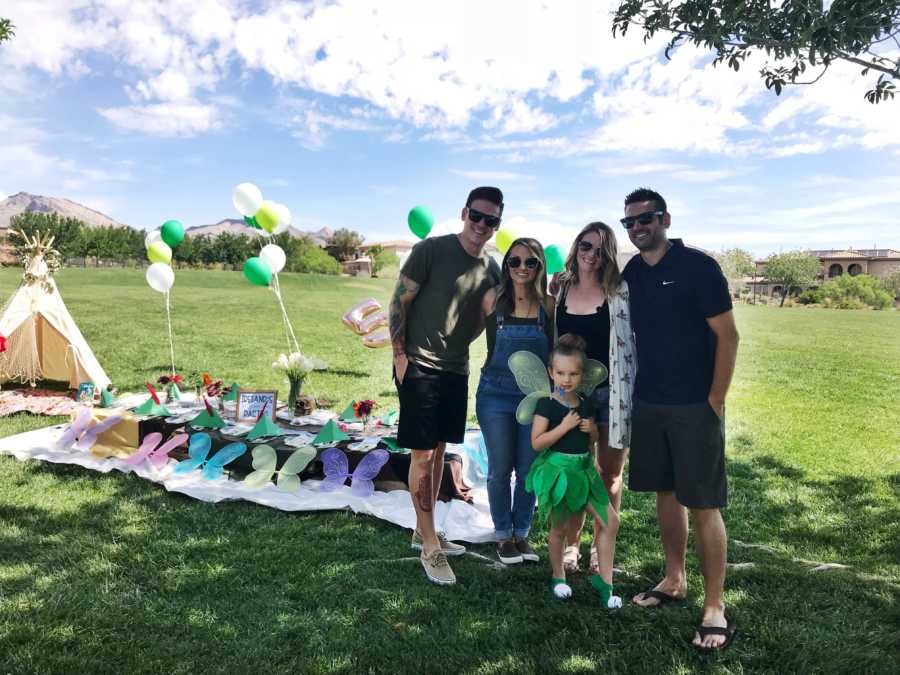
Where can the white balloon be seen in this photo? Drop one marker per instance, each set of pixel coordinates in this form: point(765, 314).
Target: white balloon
point(284, 214)
point(160, 277)
point(273, 254)
point(247, 198)
point(152, 237)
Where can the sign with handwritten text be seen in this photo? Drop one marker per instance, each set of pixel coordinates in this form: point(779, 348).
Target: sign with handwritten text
point(250, 404)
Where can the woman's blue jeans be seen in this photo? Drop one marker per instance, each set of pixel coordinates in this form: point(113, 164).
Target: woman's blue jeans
point(508, 445)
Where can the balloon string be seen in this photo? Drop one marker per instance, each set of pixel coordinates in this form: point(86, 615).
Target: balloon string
point(293, 345)
point(171, 339)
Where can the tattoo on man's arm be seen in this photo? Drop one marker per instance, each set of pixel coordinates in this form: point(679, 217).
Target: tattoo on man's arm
point(397, 314)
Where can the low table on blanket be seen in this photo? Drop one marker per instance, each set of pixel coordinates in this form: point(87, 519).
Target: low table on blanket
point(393, 475)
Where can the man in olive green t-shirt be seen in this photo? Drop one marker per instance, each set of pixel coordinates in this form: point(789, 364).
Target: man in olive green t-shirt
point(434, 315)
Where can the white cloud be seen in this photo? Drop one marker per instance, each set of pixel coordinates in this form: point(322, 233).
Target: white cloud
point(492, 176)
point(165, 119)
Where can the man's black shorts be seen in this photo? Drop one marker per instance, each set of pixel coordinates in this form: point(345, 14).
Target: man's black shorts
point(679, 448)
point(432, 407)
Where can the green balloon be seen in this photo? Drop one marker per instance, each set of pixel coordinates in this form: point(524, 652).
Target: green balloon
point(556, 261)
point(420, 221)
point(251, 221)
point(172, 232)
point(257, 271)
point(267, 217)
point(159, 252)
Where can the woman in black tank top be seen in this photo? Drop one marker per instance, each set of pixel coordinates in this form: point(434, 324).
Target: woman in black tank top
point(583, 308)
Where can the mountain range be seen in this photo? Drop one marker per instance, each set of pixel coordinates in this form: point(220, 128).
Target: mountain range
point(24, 202)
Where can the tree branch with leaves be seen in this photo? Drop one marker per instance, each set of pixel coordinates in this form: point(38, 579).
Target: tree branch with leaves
point(7, 29)
point(796, 36)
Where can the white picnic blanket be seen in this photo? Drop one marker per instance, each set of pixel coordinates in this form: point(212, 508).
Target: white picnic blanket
point(461, 521)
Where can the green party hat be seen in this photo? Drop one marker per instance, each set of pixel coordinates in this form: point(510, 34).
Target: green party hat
point(107, 400)
point(208, 419)
point(151, 407)
point(349, 414)
point(329, 434)
point(389, 419)
point(232, 392)
point(264, 427)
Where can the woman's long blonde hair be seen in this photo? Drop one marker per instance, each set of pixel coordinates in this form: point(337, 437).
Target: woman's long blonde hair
point(506, 300)
point(610, 276)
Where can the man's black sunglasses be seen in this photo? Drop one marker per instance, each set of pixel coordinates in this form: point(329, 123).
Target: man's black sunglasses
point(490, 221)
point(515, 261)
point(643, 218)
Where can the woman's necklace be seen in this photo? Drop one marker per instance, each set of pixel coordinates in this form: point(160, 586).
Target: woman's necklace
point(531, 304)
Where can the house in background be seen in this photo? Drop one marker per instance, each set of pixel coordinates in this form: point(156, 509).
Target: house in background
point(877, 262)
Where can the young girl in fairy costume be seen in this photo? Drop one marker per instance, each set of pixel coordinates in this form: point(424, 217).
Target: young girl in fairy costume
point(563, 476)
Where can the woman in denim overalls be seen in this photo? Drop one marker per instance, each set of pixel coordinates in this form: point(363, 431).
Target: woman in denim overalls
point(519, 318)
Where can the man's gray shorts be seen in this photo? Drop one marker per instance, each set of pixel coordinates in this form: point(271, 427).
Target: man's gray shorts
point(681, 449)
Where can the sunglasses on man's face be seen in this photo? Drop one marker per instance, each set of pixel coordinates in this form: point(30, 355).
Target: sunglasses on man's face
point(643, 218)
point(515, 261)
point(490, 221)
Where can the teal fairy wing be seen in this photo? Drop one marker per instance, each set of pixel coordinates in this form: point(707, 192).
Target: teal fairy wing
point(198, 451)
point(594, 373)
point(530, 372)
point(531, 376)
point(215, 465)
point(264, 460)
point(288, 478)
point(525, 410)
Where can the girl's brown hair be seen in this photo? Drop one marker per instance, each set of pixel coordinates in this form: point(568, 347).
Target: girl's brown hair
point(505, 296)
point(570, 345)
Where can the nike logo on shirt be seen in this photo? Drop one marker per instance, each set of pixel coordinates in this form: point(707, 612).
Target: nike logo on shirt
point(666, 283)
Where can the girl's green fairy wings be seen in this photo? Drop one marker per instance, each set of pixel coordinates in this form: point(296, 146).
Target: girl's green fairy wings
point(532, 378)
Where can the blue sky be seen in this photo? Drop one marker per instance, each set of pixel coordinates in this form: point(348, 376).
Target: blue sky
point(350, 115)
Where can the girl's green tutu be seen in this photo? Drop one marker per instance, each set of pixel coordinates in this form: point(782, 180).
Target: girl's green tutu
point(564, 485)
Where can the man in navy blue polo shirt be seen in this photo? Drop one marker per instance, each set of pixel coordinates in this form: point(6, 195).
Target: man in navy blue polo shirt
point(686, 349)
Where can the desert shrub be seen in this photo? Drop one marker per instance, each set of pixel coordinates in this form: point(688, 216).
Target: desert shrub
point(848, 292)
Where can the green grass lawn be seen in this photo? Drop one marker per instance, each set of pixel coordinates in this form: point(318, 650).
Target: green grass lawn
point(108, 573)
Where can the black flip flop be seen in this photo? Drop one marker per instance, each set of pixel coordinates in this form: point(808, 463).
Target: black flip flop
point(729, 632)
point(661, 596)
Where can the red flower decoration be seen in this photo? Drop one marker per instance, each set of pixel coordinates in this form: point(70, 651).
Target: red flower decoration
point(363, 408)
point(2, 343)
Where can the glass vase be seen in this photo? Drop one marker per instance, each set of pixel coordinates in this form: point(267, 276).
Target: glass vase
point(294, 394)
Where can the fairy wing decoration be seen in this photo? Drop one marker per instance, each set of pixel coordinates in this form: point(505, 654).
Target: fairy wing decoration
point(594, 373)
point(87, 440)
point(531, 376)
point(198, 451)
point(363, 475)
point(289, 473)
point(156, 453)
point(265, 460)
point(77, 427)
point(335, 467)
point(215, 466)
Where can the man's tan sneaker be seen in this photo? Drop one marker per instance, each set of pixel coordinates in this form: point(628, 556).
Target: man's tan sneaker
point(448, 547)
point(437, 569)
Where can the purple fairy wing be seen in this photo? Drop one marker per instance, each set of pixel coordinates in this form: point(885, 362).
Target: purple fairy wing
point(75, 429)
point(366, 470)
point(86, 442)
point(334, 465)
point(160, 457)
point(147, 446)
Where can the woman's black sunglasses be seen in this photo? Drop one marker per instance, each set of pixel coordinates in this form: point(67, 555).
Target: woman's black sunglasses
point(515, 261)
point(644, 219)
point(490, 221)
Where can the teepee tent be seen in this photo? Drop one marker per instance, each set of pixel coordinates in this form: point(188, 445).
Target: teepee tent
point(42, 340)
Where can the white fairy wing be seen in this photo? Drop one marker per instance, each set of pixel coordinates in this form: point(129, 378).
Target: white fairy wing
point(530, 372)
point(594, 373)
